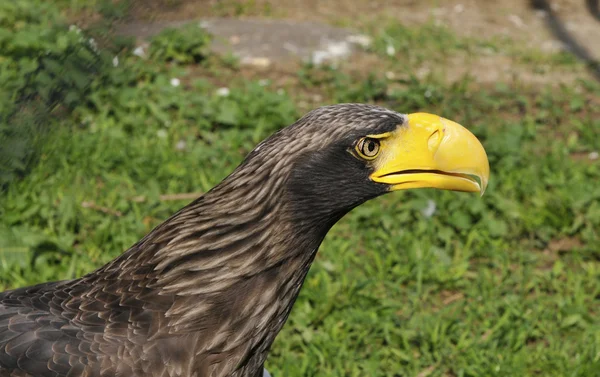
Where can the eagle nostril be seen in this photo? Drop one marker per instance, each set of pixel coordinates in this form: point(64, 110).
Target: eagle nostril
point(434, 140)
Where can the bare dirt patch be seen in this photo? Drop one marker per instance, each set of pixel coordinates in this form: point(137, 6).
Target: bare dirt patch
point(516, 19)
point(521, 21)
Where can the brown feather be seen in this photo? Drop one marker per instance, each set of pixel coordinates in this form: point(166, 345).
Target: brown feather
point(206, 292)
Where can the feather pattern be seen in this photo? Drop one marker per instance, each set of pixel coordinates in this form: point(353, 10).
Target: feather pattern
point(206, 292)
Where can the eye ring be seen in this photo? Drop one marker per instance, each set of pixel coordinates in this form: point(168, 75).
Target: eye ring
point(368, 148)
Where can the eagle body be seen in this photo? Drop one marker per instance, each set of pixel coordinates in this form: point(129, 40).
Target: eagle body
point(206, 292)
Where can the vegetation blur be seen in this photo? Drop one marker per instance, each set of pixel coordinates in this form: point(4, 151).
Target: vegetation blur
point(101, 140)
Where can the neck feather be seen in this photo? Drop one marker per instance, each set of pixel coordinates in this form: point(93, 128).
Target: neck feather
point(233, 260)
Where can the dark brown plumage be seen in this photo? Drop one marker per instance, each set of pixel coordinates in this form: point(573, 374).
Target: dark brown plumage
point(206, 292)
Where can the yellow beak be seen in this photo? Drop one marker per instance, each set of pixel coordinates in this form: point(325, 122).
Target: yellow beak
point(431, 151)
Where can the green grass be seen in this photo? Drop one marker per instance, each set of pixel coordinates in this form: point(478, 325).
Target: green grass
point(503, 285)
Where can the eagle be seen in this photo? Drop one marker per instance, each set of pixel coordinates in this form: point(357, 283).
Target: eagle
point(205, 293)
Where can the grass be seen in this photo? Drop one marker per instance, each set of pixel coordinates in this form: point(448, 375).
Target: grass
point(420, 283)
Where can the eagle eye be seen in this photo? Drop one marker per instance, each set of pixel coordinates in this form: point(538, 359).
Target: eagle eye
point(368, 148)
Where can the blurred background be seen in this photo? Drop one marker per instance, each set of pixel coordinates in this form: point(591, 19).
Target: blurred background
point(116, 113)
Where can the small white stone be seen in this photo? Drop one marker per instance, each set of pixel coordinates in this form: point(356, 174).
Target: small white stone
point(139, 51)
point(75, 28)
point(223, 92)
point(115, 61)
point(339, 49)
point(430, 209)
point(175, 82)
point(593, 155)
point(331, 51)
point(390, 75)
point(318, 57)
point(257, 61)
point(360, 39)
point(390, 50)
point(93, 44)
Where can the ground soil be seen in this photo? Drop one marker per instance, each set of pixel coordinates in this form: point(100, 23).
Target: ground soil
point(532, 23)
